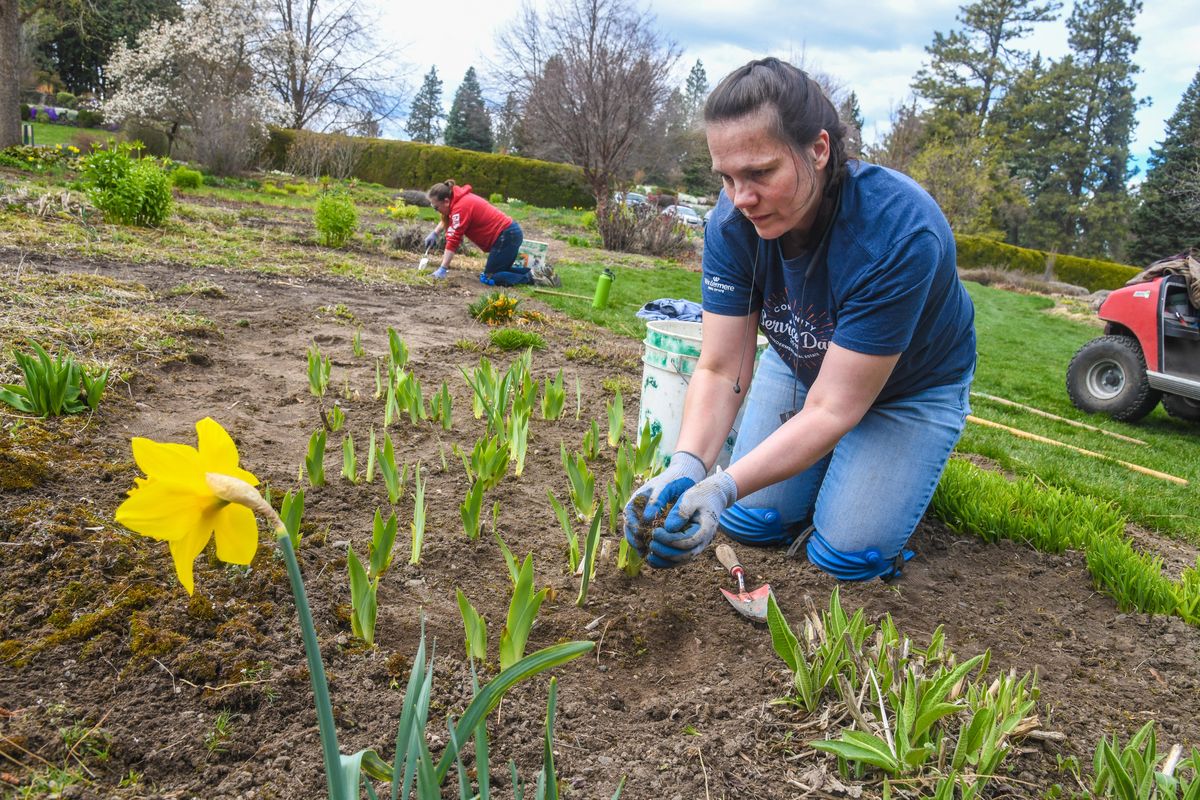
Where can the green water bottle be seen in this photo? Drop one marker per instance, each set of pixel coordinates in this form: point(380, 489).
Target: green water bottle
point(603, 284)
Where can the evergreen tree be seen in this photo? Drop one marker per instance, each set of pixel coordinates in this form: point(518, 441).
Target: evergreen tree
point(508, 131)
point(851, 116)
point(425, 115)
point(970, 68)
point(469, 125)
point(1168, 220)
point(696, 91)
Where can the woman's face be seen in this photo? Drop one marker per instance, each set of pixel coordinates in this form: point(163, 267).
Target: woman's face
point(441, 206)
point(765, 178)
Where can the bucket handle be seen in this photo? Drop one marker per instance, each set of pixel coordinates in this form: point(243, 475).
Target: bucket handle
point(676, 363)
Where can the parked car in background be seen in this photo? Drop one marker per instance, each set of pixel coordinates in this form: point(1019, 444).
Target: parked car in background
point(629, 198)
point(708, 215)
point(684, 214)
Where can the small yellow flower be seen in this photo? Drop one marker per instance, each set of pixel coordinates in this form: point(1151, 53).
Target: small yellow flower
point(73, 148)
point(175, 503)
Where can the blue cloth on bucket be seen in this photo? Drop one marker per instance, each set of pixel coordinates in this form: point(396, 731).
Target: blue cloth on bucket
point(665, 308)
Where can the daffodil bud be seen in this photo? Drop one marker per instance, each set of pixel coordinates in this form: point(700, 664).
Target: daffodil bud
point(236, 490)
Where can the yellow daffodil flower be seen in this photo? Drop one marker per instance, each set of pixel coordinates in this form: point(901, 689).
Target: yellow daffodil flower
point(176, 504)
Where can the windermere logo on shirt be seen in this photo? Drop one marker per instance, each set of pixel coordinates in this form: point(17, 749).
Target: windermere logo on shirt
point(718, 286)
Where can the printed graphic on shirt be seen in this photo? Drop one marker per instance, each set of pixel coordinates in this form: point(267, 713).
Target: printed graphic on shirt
point(718, 285)
point(801, 336)
point(454, 220)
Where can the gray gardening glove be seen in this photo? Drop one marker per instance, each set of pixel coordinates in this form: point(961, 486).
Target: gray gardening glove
point(692, 523)
point(684, 472)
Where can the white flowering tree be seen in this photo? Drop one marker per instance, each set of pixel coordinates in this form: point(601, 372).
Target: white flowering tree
point(195, 79)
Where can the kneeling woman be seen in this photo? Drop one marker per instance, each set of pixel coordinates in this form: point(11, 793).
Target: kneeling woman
point(849, 270)
point(490, 229)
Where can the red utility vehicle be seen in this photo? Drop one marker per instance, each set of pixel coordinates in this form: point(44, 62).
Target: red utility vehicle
point(1150, 351)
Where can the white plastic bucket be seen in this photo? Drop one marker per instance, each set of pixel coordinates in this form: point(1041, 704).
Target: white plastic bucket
point(671, 349)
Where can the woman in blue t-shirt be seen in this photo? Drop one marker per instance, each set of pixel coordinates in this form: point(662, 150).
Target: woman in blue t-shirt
point(849, 271)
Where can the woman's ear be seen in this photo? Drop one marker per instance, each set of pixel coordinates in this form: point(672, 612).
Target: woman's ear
point(820, 150)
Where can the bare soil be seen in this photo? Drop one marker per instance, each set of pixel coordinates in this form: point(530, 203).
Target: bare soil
point(96, 633)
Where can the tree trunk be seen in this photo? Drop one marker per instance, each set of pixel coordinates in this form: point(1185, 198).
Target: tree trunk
point(10, 90)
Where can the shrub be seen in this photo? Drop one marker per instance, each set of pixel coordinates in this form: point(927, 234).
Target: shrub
point(336, 218)
point(634, 230)
point(494, 308)
point(402, 210)
point(415, 198)
point(65, 99)
point(408, 236)
point(588, 220)
point(1093, 274)
point(495, 197)
point(89, 118)
point(399, 164)
point(228, 136)
point(185, 178)
point(128, 191)
point(514, 339)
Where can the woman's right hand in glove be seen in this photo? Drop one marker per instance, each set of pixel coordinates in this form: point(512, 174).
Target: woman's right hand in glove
point(684, 472)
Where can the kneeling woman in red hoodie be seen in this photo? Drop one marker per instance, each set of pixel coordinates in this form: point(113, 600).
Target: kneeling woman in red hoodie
point(492, 231)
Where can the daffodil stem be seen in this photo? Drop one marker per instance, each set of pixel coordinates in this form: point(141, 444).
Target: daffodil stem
point(316, 669)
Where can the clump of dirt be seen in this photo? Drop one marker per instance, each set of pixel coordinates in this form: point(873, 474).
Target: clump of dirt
point(646, 526)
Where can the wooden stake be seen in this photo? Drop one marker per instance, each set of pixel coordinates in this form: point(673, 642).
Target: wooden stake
point(1048, 415)
point(1044, 440)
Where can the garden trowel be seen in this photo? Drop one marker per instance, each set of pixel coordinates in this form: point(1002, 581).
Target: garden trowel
point(748, 604)
point(424, 263)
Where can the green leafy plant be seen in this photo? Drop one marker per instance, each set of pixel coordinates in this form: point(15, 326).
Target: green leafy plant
point(488, 463)
point(518, 438)
point(349, 461)
point(387, 467)
point(397, 350)
point(290, 511)
point(53, 386)
point(583, 483)
point(409, 397)
point(441, 407)
point(646, 450)
point(591, 445)
point(515, 339)
point(553, 397)
point(418, 521)
point(336, 219)
point(383, 542)
point(184, 178)
point(564, 521)
point(629, 560)
point(363, 603)
point(494, 308)
point(369, 473)
point(616, 419)
point(336, 418)
point(474, 627)
point(356, 344)
point(319, 370)
point(314, 461)
point(522, 611)
point(129, 191)
point(470, 510)
point(590, 548)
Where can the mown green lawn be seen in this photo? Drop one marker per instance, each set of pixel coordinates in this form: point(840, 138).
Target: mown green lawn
point(47, 135)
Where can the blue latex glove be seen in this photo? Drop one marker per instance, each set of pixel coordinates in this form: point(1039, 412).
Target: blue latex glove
point(692, 523)
point(431, 240)
point(684, 471)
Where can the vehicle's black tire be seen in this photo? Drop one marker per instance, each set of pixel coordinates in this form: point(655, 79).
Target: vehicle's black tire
point(1108, 376)
point(1184, 408)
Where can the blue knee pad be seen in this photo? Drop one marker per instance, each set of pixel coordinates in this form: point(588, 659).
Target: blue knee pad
point(760, 527)
point(858, 566)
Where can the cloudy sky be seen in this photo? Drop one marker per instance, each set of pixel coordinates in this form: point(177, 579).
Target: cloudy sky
point(872, 46)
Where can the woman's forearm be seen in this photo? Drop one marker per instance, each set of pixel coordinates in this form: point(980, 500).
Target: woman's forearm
point(709, 409)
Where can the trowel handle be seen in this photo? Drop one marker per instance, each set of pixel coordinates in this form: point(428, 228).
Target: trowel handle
point(730, 561)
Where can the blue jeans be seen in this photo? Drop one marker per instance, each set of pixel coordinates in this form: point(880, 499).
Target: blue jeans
point(500, 266)
point(866, 497)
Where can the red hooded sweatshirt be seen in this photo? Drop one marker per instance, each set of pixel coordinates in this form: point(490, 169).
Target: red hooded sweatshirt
point(472, 216)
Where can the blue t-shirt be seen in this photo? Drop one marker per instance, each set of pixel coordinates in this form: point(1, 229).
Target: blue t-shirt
point(884, 282)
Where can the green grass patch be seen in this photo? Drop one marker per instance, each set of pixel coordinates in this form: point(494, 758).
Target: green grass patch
point(47, 135)
point(632, 288)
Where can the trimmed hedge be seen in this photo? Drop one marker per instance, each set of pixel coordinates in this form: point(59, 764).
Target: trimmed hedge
point(414, 165)
point(1090, 273)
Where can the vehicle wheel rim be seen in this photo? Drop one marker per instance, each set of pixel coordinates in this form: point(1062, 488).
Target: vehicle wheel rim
point(1105, 379)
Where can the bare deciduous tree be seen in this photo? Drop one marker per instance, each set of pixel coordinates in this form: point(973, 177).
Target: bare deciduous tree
point(322, 64)
point(589, 77)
